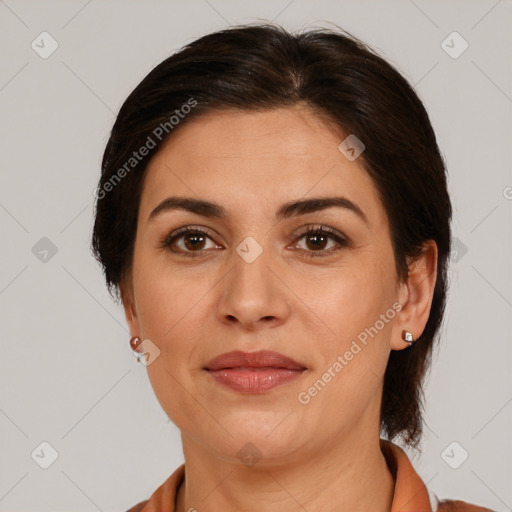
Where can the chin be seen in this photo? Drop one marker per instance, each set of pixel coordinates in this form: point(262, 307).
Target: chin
point(261, 435)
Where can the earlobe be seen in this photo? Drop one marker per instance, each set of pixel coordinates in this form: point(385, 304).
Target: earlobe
point(416, 298)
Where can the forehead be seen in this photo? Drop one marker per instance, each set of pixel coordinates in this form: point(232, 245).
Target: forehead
point(247, 160)
point(294, 133)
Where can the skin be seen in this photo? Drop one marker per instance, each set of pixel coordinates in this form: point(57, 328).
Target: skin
point(310, 309)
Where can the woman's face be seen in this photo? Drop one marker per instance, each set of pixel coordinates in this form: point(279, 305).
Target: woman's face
point(255, 281)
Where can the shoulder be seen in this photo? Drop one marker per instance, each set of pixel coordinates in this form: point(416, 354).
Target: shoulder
point(138, 507)
point(411, 493)
point(459, 506)
point(163, 499)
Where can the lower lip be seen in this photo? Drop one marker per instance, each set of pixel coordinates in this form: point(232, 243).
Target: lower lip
point(254, 380)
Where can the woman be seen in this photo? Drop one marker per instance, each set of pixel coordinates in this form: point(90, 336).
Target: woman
point(273, 213)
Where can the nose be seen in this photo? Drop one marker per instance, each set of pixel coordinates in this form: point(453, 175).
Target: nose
point(253, 294)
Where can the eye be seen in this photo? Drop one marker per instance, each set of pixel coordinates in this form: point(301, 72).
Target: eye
point(316, 239)
point(189, 240)
point(192, 241)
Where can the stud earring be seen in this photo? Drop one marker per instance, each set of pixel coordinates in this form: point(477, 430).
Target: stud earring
point(407, 337)
point(134, 343)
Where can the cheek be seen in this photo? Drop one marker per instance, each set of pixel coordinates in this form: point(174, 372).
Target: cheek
point(354, 297)
point(171, 315)
point(171, 308)
point(348, 375)
point(357, 308)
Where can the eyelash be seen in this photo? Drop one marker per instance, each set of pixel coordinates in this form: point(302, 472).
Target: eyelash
point(167, 242)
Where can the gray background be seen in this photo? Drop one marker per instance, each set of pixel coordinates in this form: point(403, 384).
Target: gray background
point(68, 376)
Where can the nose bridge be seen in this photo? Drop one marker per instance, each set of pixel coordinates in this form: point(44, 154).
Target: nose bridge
point(251, 262)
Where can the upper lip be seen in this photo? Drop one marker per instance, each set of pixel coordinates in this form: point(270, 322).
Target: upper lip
point(261, 359)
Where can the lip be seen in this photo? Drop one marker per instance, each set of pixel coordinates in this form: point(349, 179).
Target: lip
point(253, 372)
point(261, 359)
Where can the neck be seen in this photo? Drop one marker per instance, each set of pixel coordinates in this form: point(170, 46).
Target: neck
point(351, 474)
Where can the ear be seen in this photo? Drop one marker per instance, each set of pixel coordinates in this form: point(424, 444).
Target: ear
point(415, 296)
point(129, 304)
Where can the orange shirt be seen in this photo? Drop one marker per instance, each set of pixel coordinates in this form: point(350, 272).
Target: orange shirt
point(411, 494)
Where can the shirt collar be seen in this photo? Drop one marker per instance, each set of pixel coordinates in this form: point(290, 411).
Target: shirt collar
point(410, 495)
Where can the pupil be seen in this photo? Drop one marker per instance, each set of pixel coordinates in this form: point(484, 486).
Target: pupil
point(317, 238)
point(194, 237)
point(318, 241)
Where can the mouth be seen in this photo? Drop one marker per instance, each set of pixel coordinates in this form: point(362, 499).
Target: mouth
point(262, 360)
point(254, 372)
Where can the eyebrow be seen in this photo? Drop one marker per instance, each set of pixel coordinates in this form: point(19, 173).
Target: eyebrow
point(287, 210)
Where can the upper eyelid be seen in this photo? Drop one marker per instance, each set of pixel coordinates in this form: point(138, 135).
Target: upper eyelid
point(332, 232)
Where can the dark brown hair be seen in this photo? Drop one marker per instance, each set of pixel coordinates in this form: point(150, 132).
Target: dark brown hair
point(259, 67)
